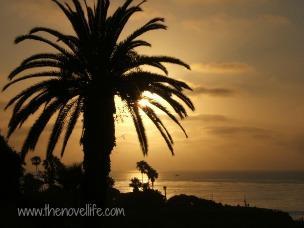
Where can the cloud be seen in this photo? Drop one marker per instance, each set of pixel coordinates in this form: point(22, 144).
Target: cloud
point(150, 12)
point(228, 23)
point(240, 130)
point(275, 19)
point(291, 142)
point(216, 92)
point(297, 143)
point(208, 118)
point(220, 2)
point(221, 68)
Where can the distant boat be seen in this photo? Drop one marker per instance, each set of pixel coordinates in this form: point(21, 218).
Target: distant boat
point(177, 175)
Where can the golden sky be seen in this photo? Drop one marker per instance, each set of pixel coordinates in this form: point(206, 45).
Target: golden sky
point(247, 59)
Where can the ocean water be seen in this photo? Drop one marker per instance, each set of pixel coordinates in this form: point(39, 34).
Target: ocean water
point(275, 190)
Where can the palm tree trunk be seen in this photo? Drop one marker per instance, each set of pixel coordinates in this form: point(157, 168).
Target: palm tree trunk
point(98, 142)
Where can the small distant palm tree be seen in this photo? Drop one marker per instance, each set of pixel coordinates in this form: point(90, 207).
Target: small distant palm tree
point(152, 175)
point(143, 167)
point(145, 186)
point(135, 184)
point(52, 166)
point(36, 161)
point(90, 68)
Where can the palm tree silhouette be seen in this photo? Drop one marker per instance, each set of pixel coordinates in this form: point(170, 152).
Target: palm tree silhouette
point(143, 167)
point(90, 68)
point(52, 167)
point(152, 175)
point(135, 184)
point(36, 160)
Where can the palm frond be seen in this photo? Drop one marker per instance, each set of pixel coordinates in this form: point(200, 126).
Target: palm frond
point(75, 19)
point(101, 12)
point(23, 114)
point(139, 126)
point(160, 126)
point(167, 112)
point(35, 75)
point(71, 41)
point(58, 126)
point(33, 65)
point(41, 56)
point(150, 26)
point(41, 39)
point(178, 108)
point(146, 78)
point(176, 92)
point(39, 125)
point(164, 59)
point(72, 123)
point(30, 91)
point(120, 18)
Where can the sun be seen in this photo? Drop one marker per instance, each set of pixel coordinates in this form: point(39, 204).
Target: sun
point(146, 96)
point(138, 175)
point(143, 102)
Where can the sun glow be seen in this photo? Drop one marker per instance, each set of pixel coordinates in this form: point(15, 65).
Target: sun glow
point(138, 175)
point(143, 102)
point(146, 96)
